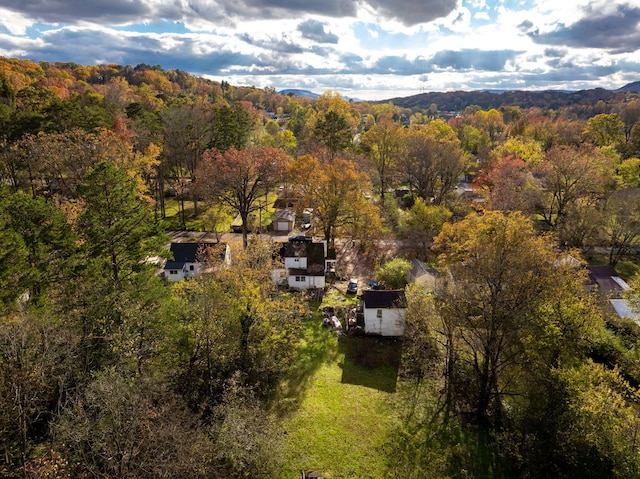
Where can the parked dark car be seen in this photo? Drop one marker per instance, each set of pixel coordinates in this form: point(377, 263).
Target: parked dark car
point(300, 237)
point(352, 287)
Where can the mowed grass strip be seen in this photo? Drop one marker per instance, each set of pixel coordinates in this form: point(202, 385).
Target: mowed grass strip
point(339, 427)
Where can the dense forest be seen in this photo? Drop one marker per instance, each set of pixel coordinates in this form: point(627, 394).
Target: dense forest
point(511, 367)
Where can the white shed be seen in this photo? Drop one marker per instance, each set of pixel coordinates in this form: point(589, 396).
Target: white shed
point(384, 312)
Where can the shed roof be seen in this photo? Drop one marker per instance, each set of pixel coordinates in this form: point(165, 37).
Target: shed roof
point(173, 265)
point(284, 215)
point(381, 298)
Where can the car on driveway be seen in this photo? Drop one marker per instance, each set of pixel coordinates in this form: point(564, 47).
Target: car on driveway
point(300, 237)
point(352, 287)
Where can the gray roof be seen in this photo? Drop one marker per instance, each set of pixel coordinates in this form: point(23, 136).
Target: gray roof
point(420, 268)
point(286, 215)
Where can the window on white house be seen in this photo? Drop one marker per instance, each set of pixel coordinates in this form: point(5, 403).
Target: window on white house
point(173, 271)
point(301, 279)
point(379, 313)
point(191, 267)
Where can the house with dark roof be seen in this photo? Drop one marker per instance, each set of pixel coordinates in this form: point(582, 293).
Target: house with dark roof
point(384, 312)
point(305, 264)
point(606, 282)
point(189, 258)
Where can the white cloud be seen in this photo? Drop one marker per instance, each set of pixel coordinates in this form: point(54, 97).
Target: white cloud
point(528, 43)
point(15, 23)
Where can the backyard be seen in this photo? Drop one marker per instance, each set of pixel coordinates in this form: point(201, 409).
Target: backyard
point(338, 412)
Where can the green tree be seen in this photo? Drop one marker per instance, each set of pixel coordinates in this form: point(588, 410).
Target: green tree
point(234, 326)
point(605, 129)
point(48, 238)
point(116, 224)
point(283, 139)
point(14, 271)
point(629, 172)
point(422, 222)
point(433, 160)
point(112, 300)
point(231, 127)
point(382, 145)
point(599, 424)
point(393, 273)
point(511, 300)
point(334, 132)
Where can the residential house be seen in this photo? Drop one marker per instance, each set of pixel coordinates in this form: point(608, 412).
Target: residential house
point(188, 259)
point(608, 285)
point(605, 281)
point(423, 275)
point(305, 264)
point(384, 312)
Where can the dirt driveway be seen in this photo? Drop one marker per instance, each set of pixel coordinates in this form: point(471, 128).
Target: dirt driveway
point(352, 262)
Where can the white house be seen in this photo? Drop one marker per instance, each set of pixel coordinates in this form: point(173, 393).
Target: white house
point(605, 281)
point(188, 259)
point(305, 264)
point(384, 312)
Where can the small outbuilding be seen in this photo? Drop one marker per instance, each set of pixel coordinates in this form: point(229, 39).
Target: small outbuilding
point(283, 221)
point(384, 312)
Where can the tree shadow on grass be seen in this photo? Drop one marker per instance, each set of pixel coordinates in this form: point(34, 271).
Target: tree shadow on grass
point(372, 362)
point(318, 347)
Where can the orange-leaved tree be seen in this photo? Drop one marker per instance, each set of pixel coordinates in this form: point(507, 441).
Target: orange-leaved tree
point(336, 192)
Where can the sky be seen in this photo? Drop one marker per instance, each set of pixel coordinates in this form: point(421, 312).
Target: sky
point(363, 49)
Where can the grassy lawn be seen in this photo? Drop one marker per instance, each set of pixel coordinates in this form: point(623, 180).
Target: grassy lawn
point(202, 222)
point(193, 223)
point(341, 415)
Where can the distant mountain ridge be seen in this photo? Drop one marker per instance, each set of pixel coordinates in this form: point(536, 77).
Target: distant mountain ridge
point(300, 93)
point(630, 87)
point(485, 99)
point(308, 94)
